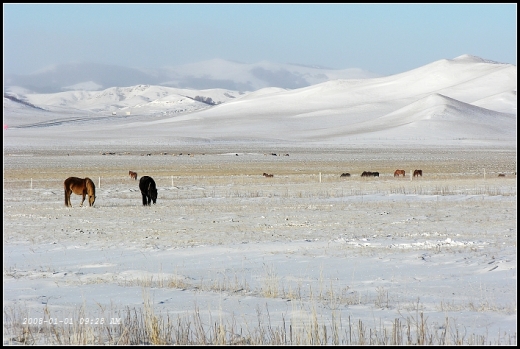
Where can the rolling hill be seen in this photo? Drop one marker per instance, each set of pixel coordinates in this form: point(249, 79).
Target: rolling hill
point(463, 101)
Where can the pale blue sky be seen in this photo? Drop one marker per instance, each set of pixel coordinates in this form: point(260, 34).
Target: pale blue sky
point(384, 39)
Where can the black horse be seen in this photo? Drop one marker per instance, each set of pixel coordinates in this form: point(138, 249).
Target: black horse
point(148, 190)
point(369, 174)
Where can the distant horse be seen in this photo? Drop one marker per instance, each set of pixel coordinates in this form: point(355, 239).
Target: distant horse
point(398, 173)
point(148, 190)
point(79, 186)
point(267, 175)
point(369, 174)
point(417, 173)
point(132, 175)
point(345, 174)
point(501, 175)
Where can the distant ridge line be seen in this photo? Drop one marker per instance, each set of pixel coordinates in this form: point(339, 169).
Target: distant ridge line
point(14, 99)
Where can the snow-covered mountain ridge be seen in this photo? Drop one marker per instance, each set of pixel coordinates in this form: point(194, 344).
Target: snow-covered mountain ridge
point(466, 98)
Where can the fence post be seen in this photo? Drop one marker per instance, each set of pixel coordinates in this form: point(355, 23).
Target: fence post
point(320, 177)
point(411, 175)
point(484, 173)
point(172, 181)
point(31, 183)
point(99, 182)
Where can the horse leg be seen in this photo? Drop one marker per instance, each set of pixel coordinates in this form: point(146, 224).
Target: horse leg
point(81, 205)
point(144, 199)
point(69, 193)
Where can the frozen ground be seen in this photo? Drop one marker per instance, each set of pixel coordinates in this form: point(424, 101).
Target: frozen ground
point(233, 246)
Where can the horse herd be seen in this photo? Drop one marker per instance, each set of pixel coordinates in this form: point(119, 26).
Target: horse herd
point(148, 188)
point(397, 173)
point(85, 186)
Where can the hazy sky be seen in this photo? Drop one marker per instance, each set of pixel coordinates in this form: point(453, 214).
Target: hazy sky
point(384, 39)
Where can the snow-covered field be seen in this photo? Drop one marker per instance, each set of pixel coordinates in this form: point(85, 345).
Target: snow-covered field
point(305, 250)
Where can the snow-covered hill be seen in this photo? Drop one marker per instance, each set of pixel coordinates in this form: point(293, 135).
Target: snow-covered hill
point(458, 101)
point(144, 100)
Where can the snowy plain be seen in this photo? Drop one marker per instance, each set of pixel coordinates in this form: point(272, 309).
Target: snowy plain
point(305, 248)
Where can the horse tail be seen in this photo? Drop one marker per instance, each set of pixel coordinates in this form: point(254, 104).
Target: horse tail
point(65, 190)
point(68, 191)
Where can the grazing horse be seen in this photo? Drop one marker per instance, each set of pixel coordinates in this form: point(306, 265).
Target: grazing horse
point(79, 186)
point(501, 175)
point(267, 175)
point(345, 174)
point(132, 174)
point(417, 173)
point(369, 174)
point(398, 173)
point(148, 190)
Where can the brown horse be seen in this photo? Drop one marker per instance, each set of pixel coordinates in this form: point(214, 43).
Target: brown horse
point(267, 175)
point(79, 186)
point(398, 173)
point(132, 175)
point(417, 173)
point(346, 174)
